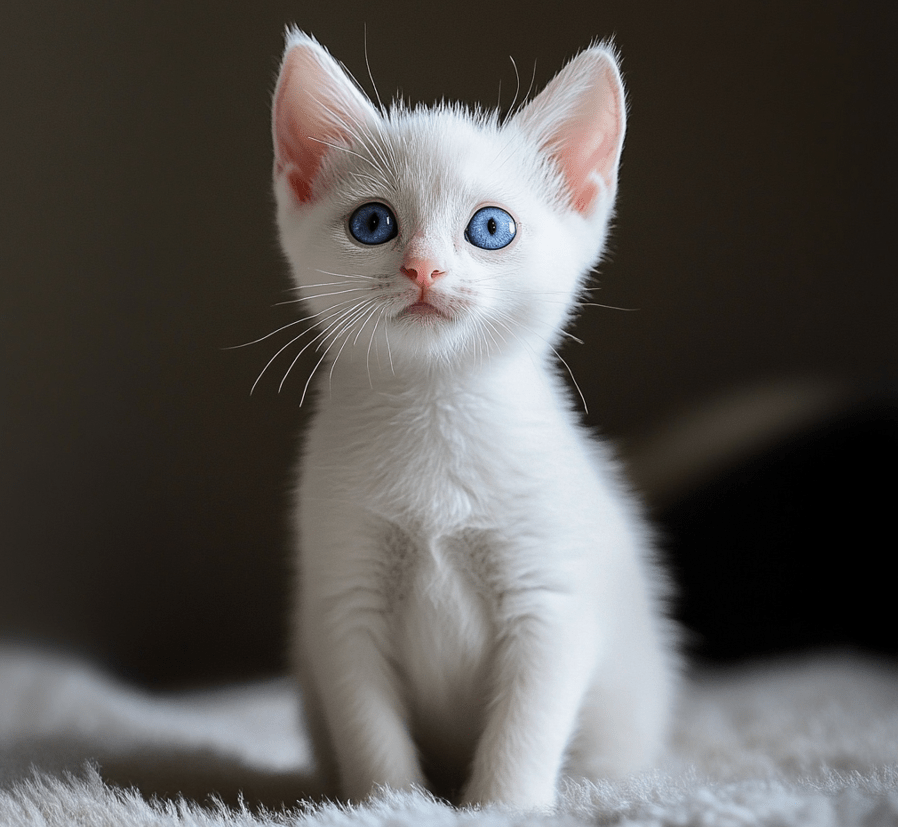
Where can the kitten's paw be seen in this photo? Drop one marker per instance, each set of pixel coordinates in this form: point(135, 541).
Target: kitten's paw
point(363, 790)
point(523, 796)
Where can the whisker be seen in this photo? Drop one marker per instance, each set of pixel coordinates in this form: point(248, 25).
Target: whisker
point(362, 325)
point(345, 275)
point(288, 325)
point(489, 328)
point(323, 295)
point(365, 137)
point(380, 164)
point(573, 379)
point(572, 337)
point(348, 321)
point(334, 337)
point(305, 389)
point(362, 132)
point(367, 178)
point(271, 360)
point(389, 351)
point(517, 88)
point(370, 342)
point(320, 284)
point(608, 307)
point(293, 340)
point(534, 356)
point(348, 325)
point(557, 355)
point(499, 287)
point(385, 164)
point(529, 89)
point(345, 149)
point(324, 332)
point(371, 76)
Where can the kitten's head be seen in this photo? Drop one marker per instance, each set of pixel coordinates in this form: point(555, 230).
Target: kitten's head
point(440, 234)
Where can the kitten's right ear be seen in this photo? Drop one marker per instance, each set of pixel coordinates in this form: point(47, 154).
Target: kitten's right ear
point(316, 106)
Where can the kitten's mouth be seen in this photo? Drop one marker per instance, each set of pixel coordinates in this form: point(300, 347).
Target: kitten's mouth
point(422, 308)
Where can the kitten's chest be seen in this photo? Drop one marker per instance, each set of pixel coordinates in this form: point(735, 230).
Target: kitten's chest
point(443, 620)
point(441, 465)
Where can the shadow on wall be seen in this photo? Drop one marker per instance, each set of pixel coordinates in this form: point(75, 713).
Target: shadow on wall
point(774, 510)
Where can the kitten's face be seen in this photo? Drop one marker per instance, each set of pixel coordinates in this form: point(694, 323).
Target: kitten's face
point(432, 236)
point(460, 246)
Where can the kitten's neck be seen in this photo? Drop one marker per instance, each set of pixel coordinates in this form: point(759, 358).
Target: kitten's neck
point(505, 377)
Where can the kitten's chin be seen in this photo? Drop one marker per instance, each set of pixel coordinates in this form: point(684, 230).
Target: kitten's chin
point(427, 335)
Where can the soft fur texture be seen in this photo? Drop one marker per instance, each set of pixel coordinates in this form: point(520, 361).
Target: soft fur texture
point(802, 742)
point(478, 608)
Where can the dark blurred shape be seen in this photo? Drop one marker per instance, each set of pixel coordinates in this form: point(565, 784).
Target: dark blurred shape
point(792, 548)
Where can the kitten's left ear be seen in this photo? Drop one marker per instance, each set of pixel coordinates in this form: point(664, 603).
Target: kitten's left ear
point(579, 120)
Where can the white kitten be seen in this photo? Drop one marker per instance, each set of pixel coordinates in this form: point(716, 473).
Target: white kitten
point(477, 612)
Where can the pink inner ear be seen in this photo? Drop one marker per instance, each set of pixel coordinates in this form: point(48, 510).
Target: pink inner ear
point(579, 118)
point(588, 155)
point(296, 153)
point(315, 106)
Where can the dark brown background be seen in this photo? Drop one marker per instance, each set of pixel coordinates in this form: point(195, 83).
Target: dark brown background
point(143, 491)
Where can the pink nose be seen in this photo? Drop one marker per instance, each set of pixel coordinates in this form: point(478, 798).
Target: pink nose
point(421, 271)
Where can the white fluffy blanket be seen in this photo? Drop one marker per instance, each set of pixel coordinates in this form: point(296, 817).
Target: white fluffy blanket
point(810, 742)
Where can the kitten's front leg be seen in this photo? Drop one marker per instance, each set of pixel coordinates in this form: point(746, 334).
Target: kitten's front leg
point(346, 651)
point(545, 660)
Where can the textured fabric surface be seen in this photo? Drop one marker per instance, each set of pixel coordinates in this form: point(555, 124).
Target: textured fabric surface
point(810, 741)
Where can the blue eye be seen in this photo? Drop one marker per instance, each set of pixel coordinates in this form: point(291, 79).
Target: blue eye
point(373, 223)
point(491, 228)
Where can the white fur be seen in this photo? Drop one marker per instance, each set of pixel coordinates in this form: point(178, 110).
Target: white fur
point(474, 582)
